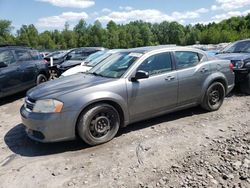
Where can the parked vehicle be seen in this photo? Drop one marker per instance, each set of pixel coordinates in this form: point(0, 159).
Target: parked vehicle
point(239, 54)
point(76, 57)
point(90, 62)
point(57, 56)
point(134, 85)
point(20, 68)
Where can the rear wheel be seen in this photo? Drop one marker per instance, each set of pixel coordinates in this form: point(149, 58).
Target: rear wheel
point(41, 78)
point(99, 124)
point(245, 86)
point(214, 97)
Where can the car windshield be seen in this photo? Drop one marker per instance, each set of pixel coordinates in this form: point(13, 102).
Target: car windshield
point(93, 57)
point(115, 65)
point(238, 47)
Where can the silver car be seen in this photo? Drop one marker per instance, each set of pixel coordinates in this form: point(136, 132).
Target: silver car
point(132, 85)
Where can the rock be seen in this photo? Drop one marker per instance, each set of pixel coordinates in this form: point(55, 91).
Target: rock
point(214, 181)
point(199, 174)
point(176, 166)
point(162, 182)
point(70, 184)
point(100, 175)
point(237, 165)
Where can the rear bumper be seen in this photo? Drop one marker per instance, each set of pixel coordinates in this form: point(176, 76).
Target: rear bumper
point(48, 127)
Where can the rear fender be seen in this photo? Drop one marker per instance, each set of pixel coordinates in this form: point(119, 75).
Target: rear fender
point(218, 76)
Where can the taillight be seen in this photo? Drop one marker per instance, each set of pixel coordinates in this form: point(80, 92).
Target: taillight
point(231, 67)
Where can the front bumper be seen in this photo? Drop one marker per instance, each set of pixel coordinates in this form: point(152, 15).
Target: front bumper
point(241, 74)
point(49, 127)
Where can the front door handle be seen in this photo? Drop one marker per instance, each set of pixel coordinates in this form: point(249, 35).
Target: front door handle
point(169, 78)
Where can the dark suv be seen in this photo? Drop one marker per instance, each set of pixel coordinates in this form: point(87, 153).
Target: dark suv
point(239, 54)
point(20, 68)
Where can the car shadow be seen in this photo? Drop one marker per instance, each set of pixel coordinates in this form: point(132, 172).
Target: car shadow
point(161, 119)
point(12, 98)
point(19, 143)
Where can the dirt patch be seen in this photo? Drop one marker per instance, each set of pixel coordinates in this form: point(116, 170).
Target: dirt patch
point(190, 148)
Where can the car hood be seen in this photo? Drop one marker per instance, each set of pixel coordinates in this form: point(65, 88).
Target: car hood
point(61, 86)
point(71, 63)
point(234, 56)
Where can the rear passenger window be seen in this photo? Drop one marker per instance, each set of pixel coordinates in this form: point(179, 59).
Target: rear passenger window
point(23, 55)
point(7, 57)
point(187, 59)
point(157, 64)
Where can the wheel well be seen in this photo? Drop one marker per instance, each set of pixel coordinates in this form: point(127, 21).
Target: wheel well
point(112, 103)
point(43, 72)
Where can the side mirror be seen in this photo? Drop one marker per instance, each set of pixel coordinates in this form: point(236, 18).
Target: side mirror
point(2, 65)
point(140, 75)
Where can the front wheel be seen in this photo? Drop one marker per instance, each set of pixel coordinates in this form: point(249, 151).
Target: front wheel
point(214, 97)
point(41, 78)
point(99, 124)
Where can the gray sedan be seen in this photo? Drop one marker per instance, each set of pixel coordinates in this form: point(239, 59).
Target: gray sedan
point(130, 86)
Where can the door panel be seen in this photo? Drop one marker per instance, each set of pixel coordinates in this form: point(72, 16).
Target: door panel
point(190, 83)
point(152, 96)
point(26, 67)
point(10, 81)
point(156, 94)
point(191, 75)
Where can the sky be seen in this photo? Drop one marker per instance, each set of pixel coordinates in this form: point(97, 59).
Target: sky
point(52, 14)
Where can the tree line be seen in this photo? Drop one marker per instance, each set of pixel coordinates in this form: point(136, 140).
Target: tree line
point(133, 34)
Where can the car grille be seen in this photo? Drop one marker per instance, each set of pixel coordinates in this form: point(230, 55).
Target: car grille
point(29, 104)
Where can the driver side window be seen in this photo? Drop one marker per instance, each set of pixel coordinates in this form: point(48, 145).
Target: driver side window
point(157, 64)
point(7, 57)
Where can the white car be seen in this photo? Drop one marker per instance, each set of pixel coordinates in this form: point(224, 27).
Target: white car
point(90, 62)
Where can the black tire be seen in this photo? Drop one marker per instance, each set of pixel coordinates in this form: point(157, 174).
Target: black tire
point(214, 97)
point(245, 85)
point(98, 124)
point(41, 78)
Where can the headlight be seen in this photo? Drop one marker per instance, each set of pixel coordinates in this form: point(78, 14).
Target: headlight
point(48, 106)
point(239, 64)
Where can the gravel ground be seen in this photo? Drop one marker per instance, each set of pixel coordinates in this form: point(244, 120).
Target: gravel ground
point(190, 148)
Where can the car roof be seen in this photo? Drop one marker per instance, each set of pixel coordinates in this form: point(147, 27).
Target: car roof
point(144, 50)
point(5, 46)
point(91, 48)
point(243, 40)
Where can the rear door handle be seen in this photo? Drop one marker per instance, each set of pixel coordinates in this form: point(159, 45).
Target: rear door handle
point(169, 78)
point(203, 70)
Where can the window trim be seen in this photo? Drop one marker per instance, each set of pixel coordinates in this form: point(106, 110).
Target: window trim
point(177, 63)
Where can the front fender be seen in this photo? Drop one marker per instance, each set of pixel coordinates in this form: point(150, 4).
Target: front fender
point(100, 96)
